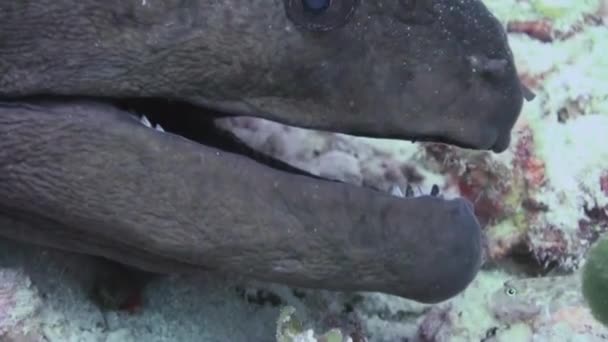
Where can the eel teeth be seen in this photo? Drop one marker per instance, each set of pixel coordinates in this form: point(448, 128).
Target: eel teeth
point(396, 191)
point(144, 120)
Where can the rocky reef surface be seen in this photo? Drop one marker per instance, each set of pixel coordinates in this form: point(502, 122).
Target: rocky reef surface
point(542, 204)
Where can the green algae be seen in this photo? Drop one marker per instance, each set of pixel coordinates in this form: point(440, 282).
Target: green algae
point(595, 281)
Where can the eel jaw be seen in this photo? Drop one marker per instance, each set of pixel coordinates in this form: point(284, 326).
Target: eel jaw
point(192, 120)
point(231, 140)
point(395, 190)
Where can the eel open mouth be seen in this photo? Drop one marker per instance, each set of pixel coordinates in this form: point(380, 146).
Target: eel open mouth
point(199, 125)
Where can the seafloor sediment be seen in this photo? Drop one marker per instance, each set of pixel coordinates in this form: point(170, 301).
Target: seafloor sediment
point(542, 204)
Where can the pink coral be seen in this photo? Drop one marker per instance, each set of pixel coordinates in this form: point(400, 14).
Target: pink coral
point(532, 166)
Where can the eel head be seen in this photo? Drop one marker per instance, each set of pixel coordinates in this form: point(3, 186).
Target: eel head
point(78, 171)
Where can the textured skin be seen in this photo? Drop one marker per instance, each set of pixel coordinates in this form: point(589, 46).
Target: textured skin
point(86, 177)
point(378, 75)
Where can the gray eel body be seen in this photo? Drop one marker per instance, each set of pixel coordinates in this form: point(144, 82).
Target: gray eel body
point(80, 174)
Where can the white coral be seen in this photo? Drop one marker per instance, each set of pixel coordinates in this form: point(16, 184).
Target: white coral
point(18, 300)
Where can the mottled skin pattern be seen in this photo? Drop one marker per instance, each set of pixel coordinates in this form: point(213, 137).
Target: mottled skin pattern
point(84, 176)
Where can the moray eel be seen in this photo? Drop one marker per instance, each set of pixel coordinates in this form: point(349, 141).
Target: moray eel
point(79, 172)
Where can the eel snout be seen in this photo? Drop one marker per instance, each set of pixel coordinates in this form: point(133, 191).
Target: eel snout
point(88, 177)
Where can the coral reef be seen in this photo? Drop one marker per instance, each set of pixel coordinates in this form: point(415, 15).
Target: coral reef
point(19, 306)
point(289, 329)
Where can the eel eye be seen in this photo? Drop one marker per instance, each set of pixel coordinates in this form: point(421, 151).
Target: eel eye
point(320, 15)
point(316, 6)
point(510, 291)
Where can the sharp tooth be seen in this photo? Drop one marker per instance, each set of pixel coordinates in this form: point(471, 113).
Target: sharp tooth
point(409, 191)
point(159, 128)
point(396, 191)
point(144, 120)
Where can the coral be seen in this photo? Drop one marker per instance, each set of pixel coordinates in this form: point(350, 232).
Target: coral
point(538, 29)
point(475, 175)
point(558, 162)
point(290, 329)
point(563, 15)
point(19, 304)
point(288, 326)
point(595, 280)
point(503, 307)
point(572, 194)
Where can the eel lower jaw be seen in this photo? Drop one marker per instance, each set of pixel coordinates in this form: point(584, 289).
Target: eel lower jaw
point(441, 228)
point(101, 175)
